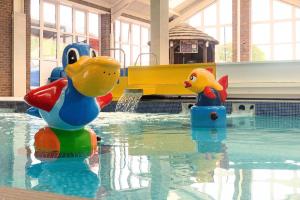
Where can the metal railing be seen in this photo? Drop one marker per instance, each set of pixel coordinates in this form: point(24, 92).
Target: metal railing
point(152, 54)
point(124, 56)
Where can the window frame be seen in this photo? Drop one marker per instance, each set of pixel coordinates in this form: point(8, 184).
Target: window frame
point(119, 42)
point(218, 26)
point(41, 28)
point(272, 22)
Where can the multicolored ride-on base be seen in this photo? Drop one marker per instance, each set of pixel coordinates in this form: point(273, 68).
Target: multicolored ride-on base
point(54, 143)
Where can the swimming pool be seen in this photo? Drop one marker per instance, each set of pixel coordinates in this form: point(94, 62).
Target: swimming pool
point(158, 156)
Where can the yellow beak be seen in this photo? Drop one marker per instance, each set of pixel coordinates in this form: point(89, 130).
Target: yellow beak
point(94, 76)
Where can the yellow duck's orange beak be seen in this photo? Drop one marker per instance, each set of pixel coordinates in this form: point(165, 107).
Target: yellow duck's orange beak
point(94, 76)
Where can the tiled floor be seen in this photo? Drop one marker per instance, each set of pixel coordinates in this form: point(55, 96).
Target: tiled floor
point(20, 194)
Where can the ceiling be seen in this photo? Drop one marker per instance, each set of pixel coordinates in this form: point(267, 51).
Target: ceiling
point(141, 8)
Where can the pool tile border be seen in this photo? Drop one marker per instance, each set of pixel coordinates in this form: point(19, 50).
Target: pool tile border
point(174, 106)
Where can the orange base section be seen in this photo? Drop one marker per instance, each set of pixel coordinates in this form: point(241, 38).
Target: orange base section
point(46, 144)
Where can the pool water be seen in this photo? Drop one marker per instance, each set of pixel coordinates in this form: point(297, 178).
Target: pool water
point(158, 156)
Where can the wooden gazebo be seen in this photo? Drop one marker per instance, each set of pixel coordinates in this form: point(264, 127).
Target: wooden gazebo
point(189, 45)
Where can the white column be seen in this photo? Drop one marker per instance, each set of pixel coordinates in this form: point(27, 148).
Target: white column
point(160, 30)
point(19, 49)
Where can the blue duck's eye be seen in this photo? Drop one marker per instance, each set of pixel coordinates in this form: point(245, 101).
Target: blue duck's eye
point(93, 53)
point(73, 55)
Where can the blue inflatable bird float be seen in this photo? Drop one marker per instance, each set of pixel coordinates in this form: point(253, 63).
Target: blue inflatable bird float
point(70, 103)
point(208, 110)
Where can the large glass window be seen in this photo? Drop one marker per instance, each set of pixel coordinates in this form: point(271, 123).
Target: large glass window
point(49, 15)
point(52, 29)
point(35, 12)
point(273, 34)
point(93, 24)
point(298, 50)
point(94, 31)
point(34, 73)
point(298, 31)
point(66, 19)
point(298, 13)
point(261, 11)
point(35, 54)
point(79, 22)
point(133, 38)
point(64, 40)
point(35, 43)
point(216, 21)
point(49, 45)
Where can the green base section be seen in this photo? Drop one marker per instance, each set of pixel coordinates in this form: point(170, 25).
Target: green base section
point(74, 142)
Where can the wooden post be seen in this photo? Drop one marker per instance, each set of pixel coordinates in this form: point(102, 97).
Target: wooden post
point(171, 50)
point(204, 53)
point(213, 53)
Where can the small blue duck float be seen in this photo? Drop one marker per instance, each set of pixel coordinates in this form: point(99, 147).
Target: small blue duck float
point(208, 111)
point(70, 103)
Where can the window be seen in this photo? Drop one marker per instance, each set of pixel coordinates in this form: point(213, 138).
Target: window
point(216, 21)
point(260, 10)
point(54, 25)
point(49, 15)
point(282, 10)
point(210, 15)
point(49, 45)
point(273, 34)
point(35, 54)
point(261, 33)
point(35, 12)
point(133, 38)
point(64, 40)
point(79, 22)
point(93, 25)
point(298, 13)
point(35, 43)
point(94, 31)
point(66, 19)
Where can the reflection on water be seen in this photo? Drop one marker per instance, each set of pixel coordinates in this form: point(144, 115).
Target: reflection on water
point(146, 156)
point(68, 176)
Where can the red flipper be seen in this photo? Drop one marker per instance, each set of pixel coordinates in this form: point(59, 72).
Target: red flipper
point(223, 93)
point(46, 96)
point(209, 93)
point(104, 100)
point(211, 70)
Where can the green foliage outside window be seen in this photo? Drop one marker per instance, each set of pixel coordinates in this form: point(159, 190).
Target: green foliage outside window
point(257, 54)
point(224, 53)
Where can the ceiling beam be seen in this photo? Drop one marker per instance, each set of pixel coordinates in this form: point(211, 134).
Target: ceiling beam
point(185, 4)
point(292, 2)
point(190, 11)
point(119, 7)
point(173, 12)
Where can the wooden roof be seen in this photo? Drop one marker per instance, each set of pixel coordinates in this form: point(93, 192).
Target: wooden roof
point(187, 32)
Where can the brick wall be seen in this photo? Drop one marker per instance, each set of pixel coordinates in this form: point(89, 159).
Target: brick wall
point(234, 31)
point(245, 30)
point(105, 34)
point(6, 10)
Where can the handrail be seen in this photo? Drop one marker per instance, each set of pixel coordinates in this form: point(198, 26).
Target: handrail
point(150, 53)
point(124, 55)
